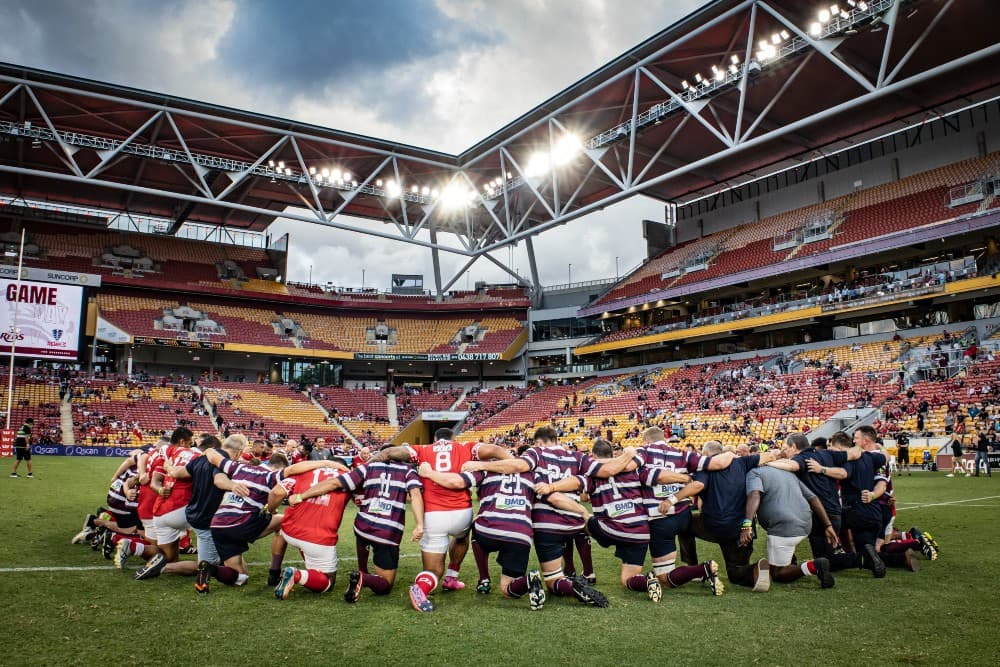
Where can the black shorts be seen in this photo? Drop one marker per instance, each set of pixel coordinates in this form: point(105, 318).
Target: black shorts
point(886, 516)
point(629, 553)
point(385, 556)
point(551, 546)
point(23, 453)
point(663, 533)
point(903, 456)
point(127, 520)
point(236, 540)
point(512, 556)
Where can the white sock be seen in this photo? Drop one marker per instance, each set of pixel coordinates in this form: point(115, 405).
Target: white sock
point(139, 548)
point(451, 573)
point(805, 569)
point(241, 579)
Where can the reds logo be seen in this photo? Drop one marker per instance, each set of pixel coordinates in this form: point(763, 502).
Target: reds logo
point(57, 334)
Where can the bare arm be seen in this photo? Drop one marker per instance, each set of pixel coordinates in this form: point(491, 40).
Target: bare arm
point(448, 480)
point(750, 512)
point(507, 466)
point(317, 490)
point(566, 503)
point(156, 484)
point(226, 484)
point(125, 465)
point(620, 463)
point(140, 465)
point(391, 454)
point(567, 484)
point(664, 476)
point(417, 500)
point(275, 496)
point(721, 461)
point(689, 491)
point(309, 466)
point(833, 473)
point(785, 464)
point(177, 472)
point(486, 451)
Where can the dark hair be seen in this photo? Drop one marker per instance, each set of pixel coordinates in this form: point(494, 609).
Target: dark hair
point(211, 442)
point(180, 434)
point(819, 442)
point(444, 434)
point(799, 440)
point(523, 448)
point(278, 460)
point(546, 434)
point(602, 449)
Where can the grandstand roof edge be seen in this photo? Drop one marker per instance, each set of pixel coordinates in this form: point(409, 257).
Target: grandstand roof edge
point(187, 104)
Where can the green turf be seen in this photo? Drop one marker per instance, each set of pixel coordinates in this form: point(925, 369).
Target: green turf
point(946, 613)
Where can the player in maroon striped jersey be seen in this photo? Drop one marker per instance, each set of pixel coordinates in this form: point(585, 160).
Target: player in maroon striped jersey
point(669, 507)
point(504, 524)
point(554, 528)
point(384, 487)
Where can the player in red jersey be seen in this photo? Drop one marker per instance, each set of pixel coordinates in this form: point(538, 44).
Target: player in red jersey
point(311, 526)
point(447, 512)
point(169, 519)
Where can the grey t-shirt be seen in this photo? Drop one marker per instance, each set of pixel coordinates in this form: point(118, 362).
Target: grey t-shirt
point(784, 509)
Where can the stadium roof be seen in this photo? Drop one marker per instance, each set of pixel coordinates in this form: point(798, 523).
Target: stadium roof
point(736, 89)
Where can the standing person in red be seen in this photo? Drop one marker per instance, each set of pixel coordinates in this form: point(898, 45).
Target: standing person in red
point(447, 512)
point(169, 512)
point(311, 526)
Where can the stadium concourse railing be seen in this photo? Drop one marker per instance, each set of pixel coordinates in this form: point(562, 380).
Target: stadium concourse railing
point(817, 310)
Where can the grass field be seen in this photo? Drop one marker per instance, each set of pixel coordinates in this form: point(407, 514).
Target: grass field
point(946, 613)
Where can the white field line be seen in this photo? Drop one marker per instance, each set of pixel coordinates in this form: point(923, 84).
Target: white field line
point(86, 568)
point(952, 502)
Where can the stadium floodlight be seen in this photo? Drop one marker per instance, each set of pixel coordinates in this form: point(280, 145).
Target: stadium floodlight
point(863, 6)
point(733, 69)
point(435, 193)
point(734, 59)
point(270, 163)
point(325, 172)
point(393, 189)
point(685, 85)
point(378, 183)
point(453, 197)
point(312, 171)
point(824, 16)
point(336, 174)
point(697, 77)
point(815, 28)
point(281, 164)
point(347, 176)
point(425, 191)
point(538, 164)
point(784, 34)
point(776, 38)
point(415, 189)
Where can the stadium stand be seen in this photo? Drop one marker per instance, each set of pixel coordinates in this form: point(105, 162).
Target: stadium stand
point(36, 395)
point(268, 411)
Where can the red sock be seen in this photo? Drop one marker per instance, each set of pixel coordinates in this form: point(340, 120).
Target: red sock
point(563, 587)
point(482, 560)
point(377, 584)
point(682, 575)
point(899, 546)
point(226, 575)
point(314, 580)
point(426, 581)
point(582, 541)
point(116, 538)
point(185, 541)
point(811, 566)
point(636, 583)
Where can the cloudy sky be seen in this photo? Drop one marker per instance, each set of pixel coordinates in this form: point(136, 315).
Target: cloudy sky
point(441, 74)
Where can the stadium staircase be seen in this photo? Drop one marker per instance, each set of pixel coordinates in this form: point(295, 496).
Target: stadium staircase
point(66, 419)
point(347, 434)
point(391, 409)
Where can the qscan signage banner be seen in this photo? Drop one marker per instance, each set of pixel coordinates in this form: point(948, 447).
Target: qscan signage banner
point(80, 450)
point(48, 319)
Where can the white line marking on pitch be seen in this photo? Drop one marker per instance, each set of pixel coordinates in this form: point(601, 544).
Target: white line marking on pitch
point(89, 568)
point(952, 502)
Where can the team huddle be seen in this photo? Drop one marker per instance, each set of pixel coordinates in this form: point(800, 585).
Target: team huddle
point(657, 498)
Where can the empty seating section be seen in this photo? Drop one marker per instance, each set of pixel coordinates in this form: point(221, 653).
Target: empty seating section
point(113, 412)
point(273, 409)
point(175, 261)
point(880, 356)
point(912, 201)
